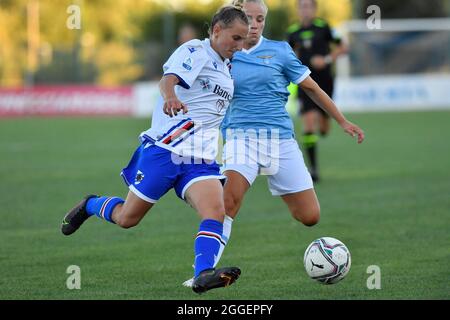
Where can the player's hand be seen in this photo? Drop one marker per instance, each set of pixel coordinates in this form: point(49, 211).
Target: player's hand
point(318, 62)
point(172, 106)
point(353, 130)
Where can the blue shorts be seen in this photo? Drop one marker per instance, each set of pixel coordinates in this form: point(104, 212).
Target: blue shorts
point(153, 171)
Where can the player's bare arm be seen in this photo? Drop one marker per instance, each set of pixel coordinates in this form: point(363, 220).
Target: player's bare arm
point(312, 89)
point(172, 105)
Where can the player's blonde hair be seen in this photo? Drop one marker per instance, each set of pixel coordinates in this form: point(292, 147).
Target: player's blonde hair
point(242, 2)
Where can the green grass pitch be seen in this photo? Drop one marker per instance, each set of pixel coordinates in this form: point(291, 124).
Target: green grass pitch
point(388, 200)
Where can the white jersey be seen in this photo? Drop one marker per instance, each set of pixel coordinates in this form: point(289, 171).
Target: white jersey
point(206, 88)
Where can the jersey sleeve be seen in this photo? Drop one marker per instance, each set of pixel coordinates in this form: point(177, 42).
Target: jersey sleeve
point(186, 63)
point(294, 70)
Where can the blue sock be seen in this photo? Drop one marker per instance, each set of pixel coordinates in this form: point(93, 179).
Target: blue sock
point(207, 244)
point(102, 207)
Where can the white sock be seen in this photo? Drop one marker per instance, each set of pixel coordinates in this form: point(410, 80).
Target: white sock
point(227, 222)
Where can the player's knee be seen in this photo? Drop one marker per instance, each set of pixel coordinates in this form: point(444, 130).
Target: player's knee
point(219, 211)
point(232, 205)
point(215, 211)
point(126, 223)
point(309, 218)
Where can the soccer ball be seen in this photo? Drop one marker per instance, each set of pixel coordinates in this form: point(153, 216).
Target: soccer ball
point(327, 260)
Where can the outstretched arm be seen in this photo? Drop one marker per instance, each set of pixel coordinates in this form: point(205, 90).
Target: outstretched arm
point(171, 103)
point(312, 89)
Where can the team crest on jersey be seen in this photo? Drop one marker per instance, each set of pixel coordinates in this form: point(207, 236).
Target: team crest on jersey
point(139, 177)
point(192, 50)
point(266, 59)
point(206, 84)
point(220, 104)
point(215, 65)
point(187, 64)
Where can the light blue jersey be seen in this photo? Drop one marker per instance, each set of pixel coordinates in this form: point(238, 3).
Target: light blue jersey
point(261, 76)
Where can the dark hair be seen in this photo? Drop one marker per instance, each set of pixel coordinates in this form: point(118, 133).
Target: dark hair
point(227, 15)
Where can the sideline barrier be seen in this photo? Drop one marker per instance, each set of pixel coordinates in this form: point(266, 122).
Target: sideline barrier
point(365, 94)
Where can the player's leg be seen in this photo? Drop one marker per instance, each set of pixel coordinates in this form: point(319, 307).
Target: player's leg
point(294, 184)
point(303, 206)
point(131, 212)
point(239, 178)
point(309, 116)
point(125, 214)
point(324, 124)
point(234, 192)
point(241, 169)
point(147, 177)
point(206, 197)
point(309, 121)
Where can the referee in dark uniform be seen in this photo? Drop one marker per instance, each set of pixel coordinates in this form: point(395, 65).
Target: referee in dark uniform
point(311, 39)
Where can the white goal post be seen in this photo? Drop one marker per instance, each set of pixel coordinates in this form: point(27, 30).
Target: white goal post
point(404, 65)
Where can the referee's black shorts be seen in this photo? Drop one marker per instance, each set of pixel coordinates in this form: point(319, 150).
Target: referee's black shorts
point(327, 85)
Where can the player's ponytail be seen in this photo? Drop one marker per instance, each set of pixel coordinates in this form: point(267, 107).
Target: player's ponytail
point(238, 4)
point(227, 15)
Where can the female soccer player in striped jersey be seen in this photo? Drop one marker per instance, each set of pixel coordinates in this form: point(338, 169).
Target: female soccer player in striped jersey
point(258, 131)
point(179, 150)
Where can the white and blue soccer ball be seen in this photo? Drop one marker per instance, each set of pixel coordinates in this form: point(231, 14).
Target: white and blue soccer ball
point(327, 260)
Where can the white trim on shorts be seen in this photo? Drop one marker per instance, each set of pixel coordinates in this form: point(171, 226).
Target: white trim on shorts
point(141, 195)
point(241, 172)
point(275, 193)
point(191, 182)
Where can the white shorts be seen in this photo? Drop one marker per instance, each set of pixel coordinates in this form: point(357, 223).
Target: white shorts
point(281, 160)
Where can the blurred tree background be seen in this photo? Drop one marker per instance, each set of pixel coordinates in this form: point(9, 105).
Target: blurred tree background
point(124, 41)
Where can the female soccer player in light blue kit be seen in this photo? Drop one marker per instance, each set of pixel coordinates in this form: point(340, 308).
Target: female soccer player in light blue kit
point(179, 150)
point(258, 131)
